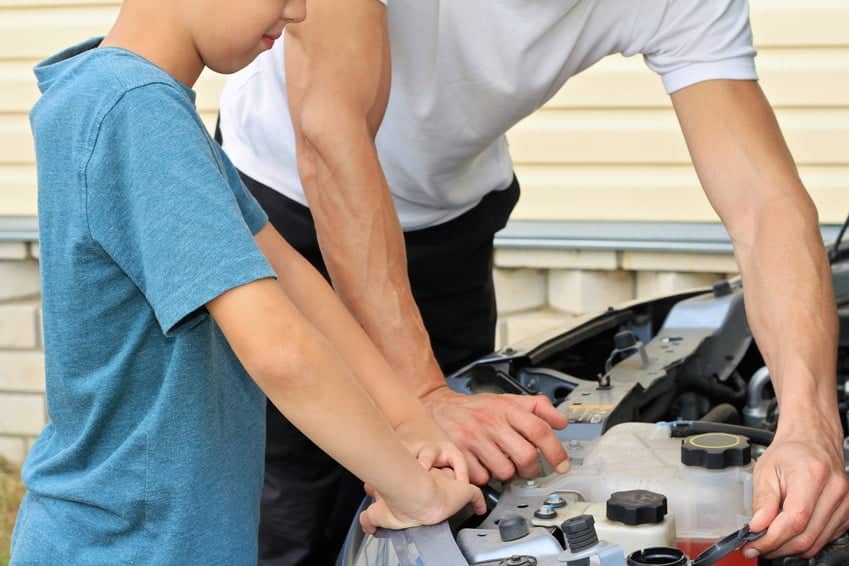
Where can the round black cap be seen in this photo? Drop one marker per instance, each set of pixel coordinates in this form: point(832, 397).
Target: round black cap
point(716, 450)
point(636, 507)
point(519, 561)
point(658, 556)
point(624, 340)
point(513, 527)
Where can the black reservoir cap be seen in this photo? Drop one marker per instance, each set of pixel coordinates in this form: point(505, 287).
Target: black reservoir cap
point(716, 450)
point(637, 507)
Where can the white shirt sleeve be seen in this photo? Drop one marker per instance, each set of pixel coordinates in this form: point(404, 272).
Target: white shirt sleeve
point(689, 41)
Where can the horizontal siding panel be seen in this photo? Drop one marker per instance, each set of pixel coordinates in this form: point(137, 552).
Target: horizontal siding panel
point(801, 78)
point(20, 89)
point(16, 146)
point(37, 33)
point(55, 3)
point(653, 136)
point(780, 23)
point(644, 193)
point(17, 187)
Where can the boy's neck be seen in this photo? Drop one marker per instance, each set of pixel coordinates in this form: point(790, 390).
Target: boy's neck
point(151, 32)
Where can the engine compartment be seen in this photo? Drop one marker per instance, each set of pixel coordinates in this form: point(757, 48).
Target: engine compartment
point(638, 384)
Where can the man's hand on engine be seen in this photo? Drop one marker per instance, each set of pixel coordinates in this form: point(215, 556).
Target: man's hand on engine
point(800, 489)
point(500, 434)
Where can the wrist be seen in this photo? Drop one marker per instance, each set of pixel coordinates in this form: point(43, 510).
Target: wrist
point(436, 393)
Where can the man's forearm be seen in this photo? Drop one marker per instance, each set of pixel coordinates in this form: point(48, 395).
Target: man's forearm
point(363, 247)
point(318, 304)
point(337, 68)
point(752, 182)
point(791, 310)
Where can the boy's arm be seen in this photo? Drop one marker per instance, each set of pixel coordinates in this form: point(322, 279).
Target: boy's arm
point(320, 305)
point(305, 378)
point(338, 73)
point(751, 180)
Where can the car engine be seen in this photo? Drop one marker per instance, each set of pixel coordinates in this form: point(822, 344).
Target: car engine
point(669, 405)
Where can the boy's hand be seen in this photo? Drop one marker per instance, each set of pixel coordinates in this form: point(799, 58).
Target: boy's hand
point(431, 447)
point(447, 497)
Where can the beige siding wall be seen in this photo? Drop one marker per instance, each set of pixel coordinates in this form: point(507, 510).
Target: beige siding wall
point(606, 148)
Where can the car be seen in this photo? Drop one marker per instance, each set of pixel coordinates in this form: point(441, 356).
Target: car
point(669, 404)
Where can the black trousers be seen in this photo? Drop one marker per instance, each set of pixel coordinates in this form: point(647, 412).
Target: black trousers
point(308, 500)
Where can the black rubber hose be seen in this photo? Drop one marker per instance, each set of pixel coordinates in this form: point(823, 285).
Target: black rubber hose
point(734, 392)
point(834, 554)
point(681, 429)
point(724, 413)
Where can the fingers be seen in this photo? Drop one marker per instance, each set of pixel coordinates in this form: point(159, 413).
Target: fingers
point(835, 526)
point(767, 499)
point(449, 456)
point(492, 458)
point(800, 521)
point(542, 407)
point(478, 474)
point(477, 500)
point(539, 434)
point(522, 453)
point(809, 517)
point(426, 457)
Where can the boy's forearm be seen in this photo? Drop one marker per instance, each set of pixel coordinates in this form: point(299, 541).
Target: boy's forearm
point(320, 305)
point(306, 379)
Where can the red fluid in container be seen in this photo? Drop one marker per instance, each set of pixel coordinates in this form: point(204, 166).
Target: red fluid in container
point(694, 547)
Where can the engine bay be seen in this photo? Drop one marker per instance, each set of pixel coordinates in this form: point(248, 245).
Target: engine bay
point(669, 405)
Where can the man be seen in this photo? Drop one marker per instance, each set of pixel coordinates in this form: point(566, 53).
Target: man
point(462, 73)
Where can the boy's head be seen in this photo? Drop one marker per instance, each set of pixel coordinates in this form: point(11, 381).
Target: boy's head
point(183, 36)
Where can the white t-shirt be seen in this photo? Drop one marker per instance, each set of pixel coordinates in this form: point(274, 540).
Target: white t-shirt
point(465, 71)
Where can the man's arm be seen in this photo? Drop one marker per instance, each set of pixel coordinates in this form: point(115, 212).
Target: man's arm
point(338, 73)
point(750, 179)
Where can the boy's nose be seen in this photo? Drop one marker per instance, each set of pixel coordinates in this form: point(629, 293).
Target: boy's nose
point(295, 11)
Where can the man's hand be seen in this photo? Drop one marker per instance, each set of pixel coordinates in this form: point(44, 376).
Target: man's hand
point(500, 434)
point(800, 489)
point(429, 444)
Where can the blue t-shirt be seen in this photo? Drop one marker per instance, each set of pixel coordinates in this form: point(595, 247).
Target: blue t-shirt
point(154, 451)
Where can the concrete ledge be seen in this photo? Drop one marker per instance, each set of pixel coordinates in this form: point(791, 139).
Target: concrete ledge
point(18, 229)
point(690, 237)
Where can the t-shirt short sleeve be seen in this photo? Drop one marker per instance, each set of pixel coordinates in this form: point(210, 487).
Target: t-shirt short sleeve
point(162, 204)
point(689, 41)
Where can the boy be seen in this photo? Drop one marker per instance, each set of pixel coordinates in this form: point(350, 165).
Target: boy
point(164, 325)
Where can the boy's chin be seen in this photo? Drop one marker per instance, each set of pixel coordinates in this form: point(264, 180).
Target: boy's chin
point(231, 66)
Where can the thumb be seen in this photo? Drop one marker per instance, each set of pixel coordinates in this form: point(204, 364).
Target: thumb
point(426, 457)
point(766, 504)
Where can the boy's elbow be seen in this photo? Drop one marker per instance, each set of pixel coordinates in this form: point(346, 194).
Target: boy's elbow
point(278, 367)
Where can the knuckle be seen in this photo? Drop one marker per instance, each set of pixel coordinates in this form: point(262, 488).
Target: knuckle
point(841, 487)
point(803, 542)
point(503, 472)
point(526, 457)
point(800, 522)
point(538, 430)
point(819, 471)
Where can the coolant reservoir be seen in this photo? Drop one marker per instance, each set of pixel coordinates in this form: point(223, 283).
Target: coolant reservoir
point(707, 501)
point(629, 537)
